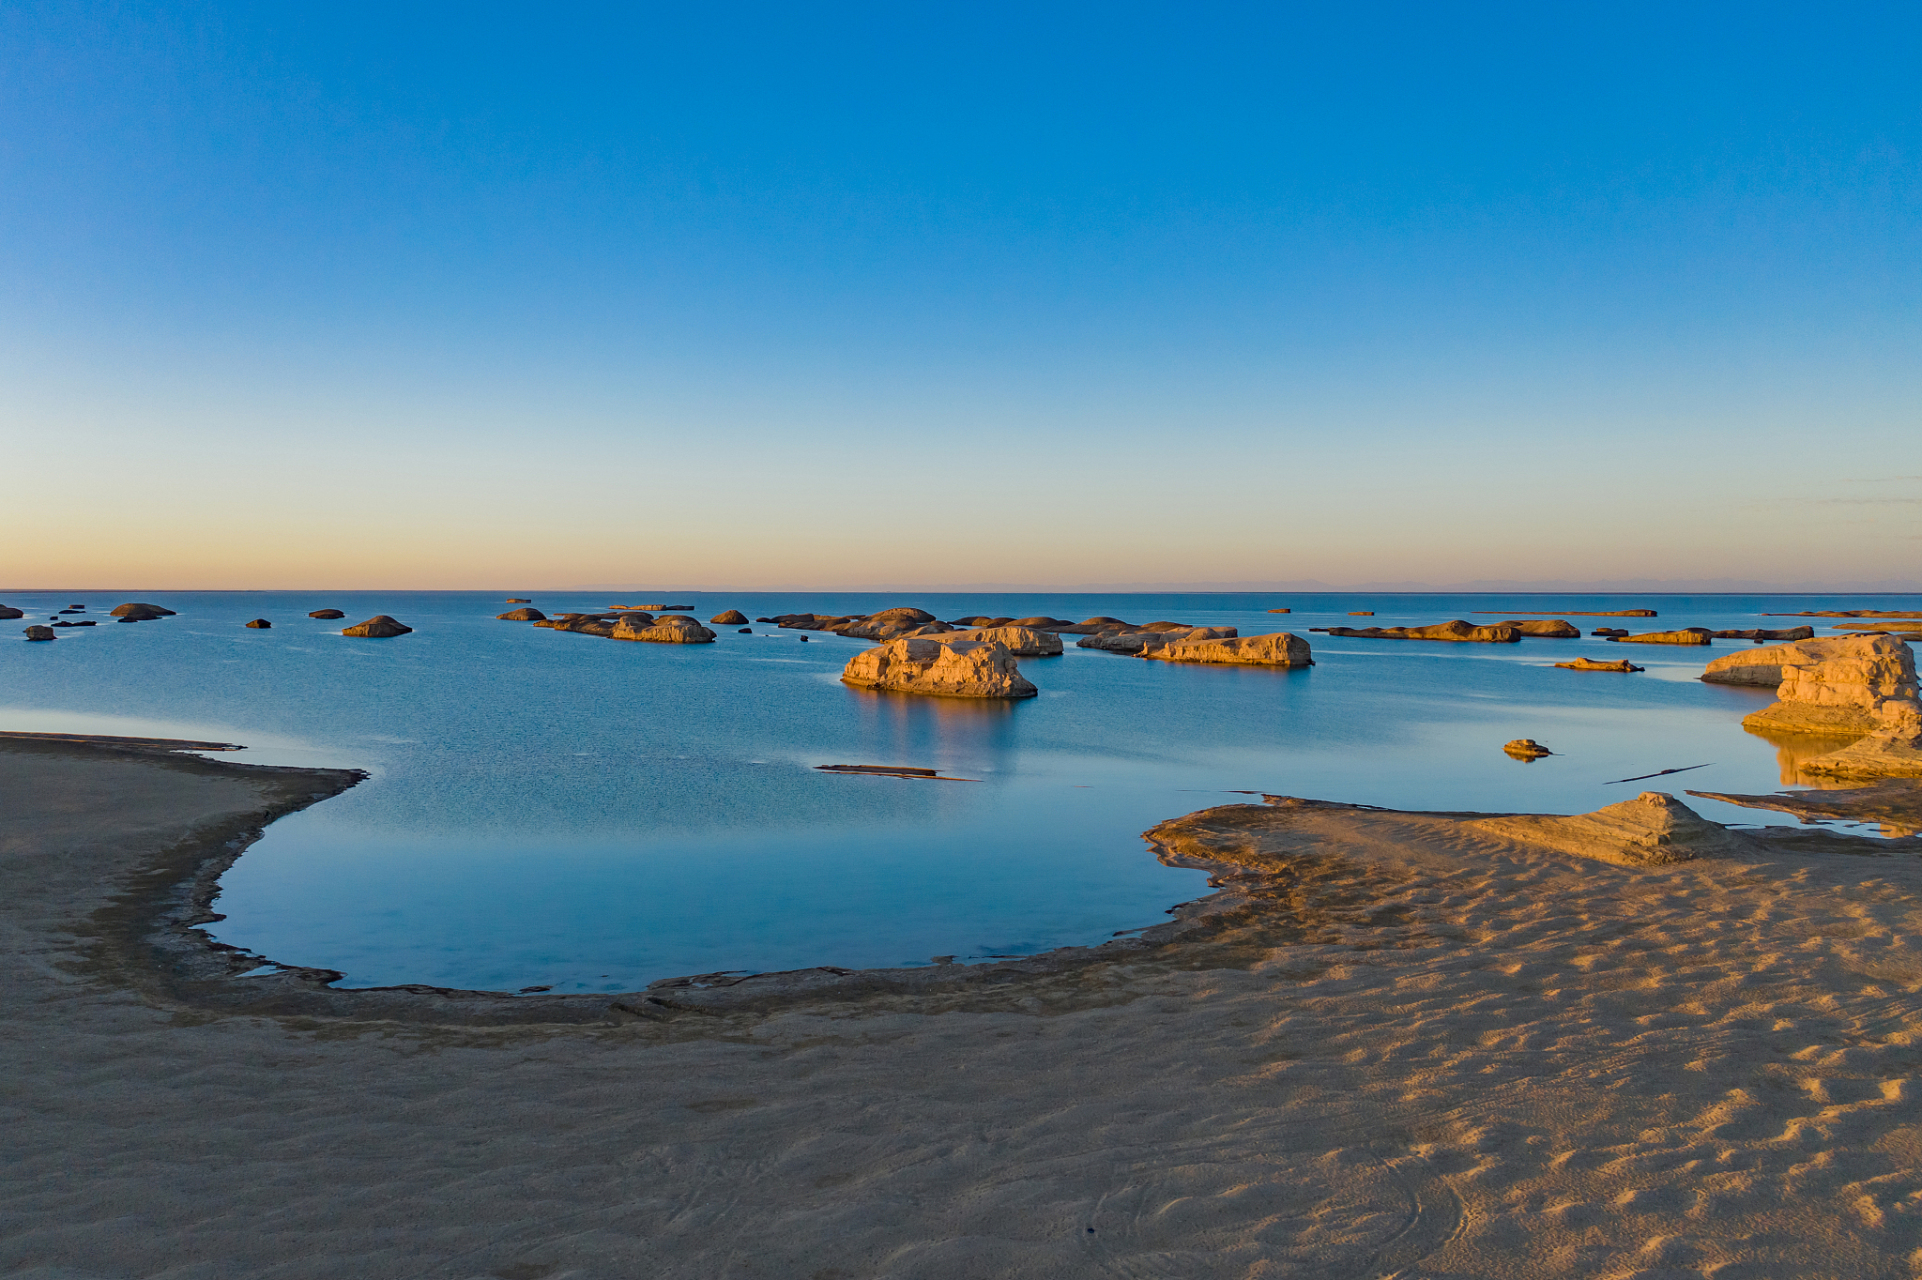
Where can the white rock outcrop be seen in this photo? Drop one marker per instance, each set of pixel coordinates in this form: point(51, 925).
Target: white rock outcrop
point(940, 667)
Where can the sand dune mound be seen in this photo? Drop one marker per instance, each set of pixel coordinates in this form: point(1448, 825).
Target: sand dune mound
point(1651, 830)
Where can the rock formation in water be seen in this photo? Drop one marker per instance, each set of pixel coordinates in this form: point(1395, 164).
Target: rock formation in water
point(889, 624)
point(8, 612)
point(1548, 628)
point(260, 624)
point(1850, 613)
point(518, 600)
point(1687, 635)
point(1590, 664)
point(808, 621)
point(142, 611)
point(1592, 613)
point(1455, 630)
point(1276, 649)
point(1652, 830)
point(1022, 642)
point(521, 615)
point(378, 627)
point(1616, 632)
point(1762, 668)
point(951, 669)
point(591, 624)
point(1762, 633)
point(326, 613)
point(1153, 636)
point(1281, 611)
point(1844, 685)
point(38, 633)
point(1526, 749)
point(1856, 687)
point(728, 618)
point(661, 630)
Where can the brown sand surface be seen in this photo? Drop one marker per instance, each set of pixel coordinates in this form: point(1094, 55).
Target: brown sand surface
point(1410, 1047)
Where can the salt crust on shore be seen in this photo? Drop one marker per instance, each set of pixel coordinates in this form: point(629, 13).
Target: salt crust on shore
point(1419, 1050)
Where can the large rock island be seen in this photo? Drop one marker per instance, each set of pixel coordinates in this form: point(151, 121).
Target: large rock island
point(1762, 668)
point(941, 667)
point(1859, 687)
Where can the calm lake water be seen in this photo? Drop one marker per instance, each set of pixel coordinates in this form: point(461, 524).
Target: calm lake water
point(561, 810)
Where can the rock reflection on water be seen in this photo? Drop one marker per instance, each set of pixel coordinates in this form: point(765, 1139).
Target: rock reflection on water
point(948, 733)
point(1792, 750)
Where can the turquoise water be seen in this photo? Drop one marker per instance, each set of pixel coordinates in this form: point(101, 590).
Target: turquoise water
point(549, 809)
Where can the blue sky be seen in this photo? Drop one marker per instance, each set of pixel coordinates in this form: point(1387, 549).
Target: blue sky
point(756, 296)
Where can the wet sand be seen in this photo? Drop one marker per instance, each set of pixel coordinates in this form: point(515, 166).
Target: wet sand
point(1398, 1044)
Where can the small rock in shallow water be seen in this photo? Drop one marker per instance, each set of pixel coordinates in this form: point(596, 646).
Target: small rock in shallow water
point(260, 624)
point(729, 618)
point(379, 627)
point(39, 633)
point(521, 615)
point(326, 613)
point(1526, 749)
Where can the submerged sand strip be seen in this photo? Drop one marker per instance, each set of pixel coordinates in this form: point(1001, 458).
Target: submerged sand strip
point(1414, 1047)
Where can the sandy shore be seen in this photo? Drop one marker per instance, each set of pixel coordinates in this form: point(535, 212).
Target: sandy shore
point(1403, 1045)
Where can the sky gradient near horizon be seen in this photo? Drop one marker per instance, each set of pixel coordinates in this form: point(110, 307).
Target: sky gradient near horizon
point(462, 296)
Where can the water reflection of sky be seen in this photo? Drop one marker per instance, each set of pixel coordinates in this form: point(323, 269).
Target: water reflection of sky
point(558, 809)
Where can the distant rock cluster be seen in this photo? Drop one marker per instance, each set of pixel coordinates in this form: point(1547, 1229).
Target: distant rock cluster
point(1454, 630)
point(624, 624)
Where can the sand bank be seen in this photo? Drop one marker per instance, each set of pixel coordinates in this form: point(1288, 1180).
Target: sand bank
point(1400, 1044)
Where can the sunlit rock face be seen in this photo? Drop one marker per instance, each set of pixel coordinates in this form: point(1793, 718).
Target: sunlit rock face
point(1859, 686)
point(1762, 668)
point(666, 630)
point(1279, 649)
point(943, 668)
point(1856, 684)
